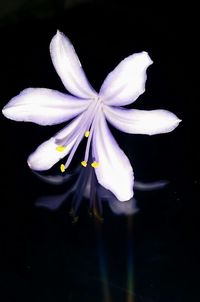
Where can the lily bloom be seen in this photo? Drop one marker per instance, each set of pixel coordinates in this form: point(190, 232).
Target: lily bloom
point(89, 112)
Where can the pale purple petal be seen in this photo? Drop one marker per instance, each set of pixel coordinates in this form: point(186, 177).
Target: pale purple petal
point(127, 81)
point(46, 155)
point(114, 172)
point(44, 106)
point(141, 121)
point(68, 67)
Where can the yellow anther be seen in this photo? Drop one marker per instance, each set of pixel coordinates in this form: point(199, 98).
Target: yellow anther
point(60, 148)
point(95, 164)
point(84, 163)
point(87, 133)
point(62, 168)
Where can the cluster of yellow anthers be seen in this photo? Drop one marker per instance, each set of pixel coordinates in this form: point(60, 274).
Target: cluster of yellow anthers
point(94, 164)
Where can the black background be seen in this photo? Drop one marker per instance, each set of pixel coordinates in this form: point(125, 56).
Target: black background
point(44, 257)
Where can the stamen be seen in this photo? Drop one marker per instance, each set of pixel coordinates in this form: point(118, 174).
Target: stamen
point(91, 134)
point(83, 123)
point(89, 118)
point(94, 154)
point(60, 148)
point(62, 168)
point(87, 133)
point(79, 138)
point(95, 164)
point(84, 163)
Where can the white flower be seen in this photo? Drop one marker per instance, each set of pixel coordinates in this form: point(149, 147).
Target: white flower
point(88, 112)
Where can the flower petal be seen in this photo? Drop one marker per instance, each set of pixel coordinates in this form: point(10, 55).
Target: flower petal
point(46, 155)
point(68, 67)
point(114, 171)
point(141, 121)
point(44, 106)
point(127, 81)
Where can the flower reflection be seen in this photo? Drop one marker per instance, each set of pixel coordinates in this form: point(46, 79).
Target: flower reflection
point(86, 187)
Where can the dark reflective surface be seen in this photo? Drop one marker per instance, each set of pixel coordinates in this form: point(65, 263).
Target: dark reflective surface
point(149, 256)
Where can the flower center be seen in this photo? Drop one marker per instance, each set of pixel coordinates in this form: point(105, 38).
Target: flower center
point(85, 128)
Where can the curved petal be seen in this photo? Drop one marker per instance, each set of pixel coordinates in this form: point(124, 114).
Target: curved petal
point(127, 81)
point(68, 67)
point(141, 121)
point(46, 155)
point(44, 106)
point(114, 171)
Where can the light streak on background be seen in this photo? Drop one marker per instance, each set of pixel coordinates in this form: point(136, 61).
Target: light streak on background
point(130, 264)
point(102, 263)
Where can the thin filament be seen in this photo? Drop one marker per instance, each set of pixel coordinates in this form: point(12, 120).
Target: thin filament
point(91, 134)
point(86, 125)
point(69, 138)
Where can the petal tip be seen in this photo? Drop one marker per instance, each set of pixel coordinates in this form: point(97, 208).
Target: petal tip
point(6, 112)
point(147, 57)
point(59, 34)
point(29, 164)
point(177, 122)
point(124, 198)
point(174, 124)
point(32, 163)
point(56, 38)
